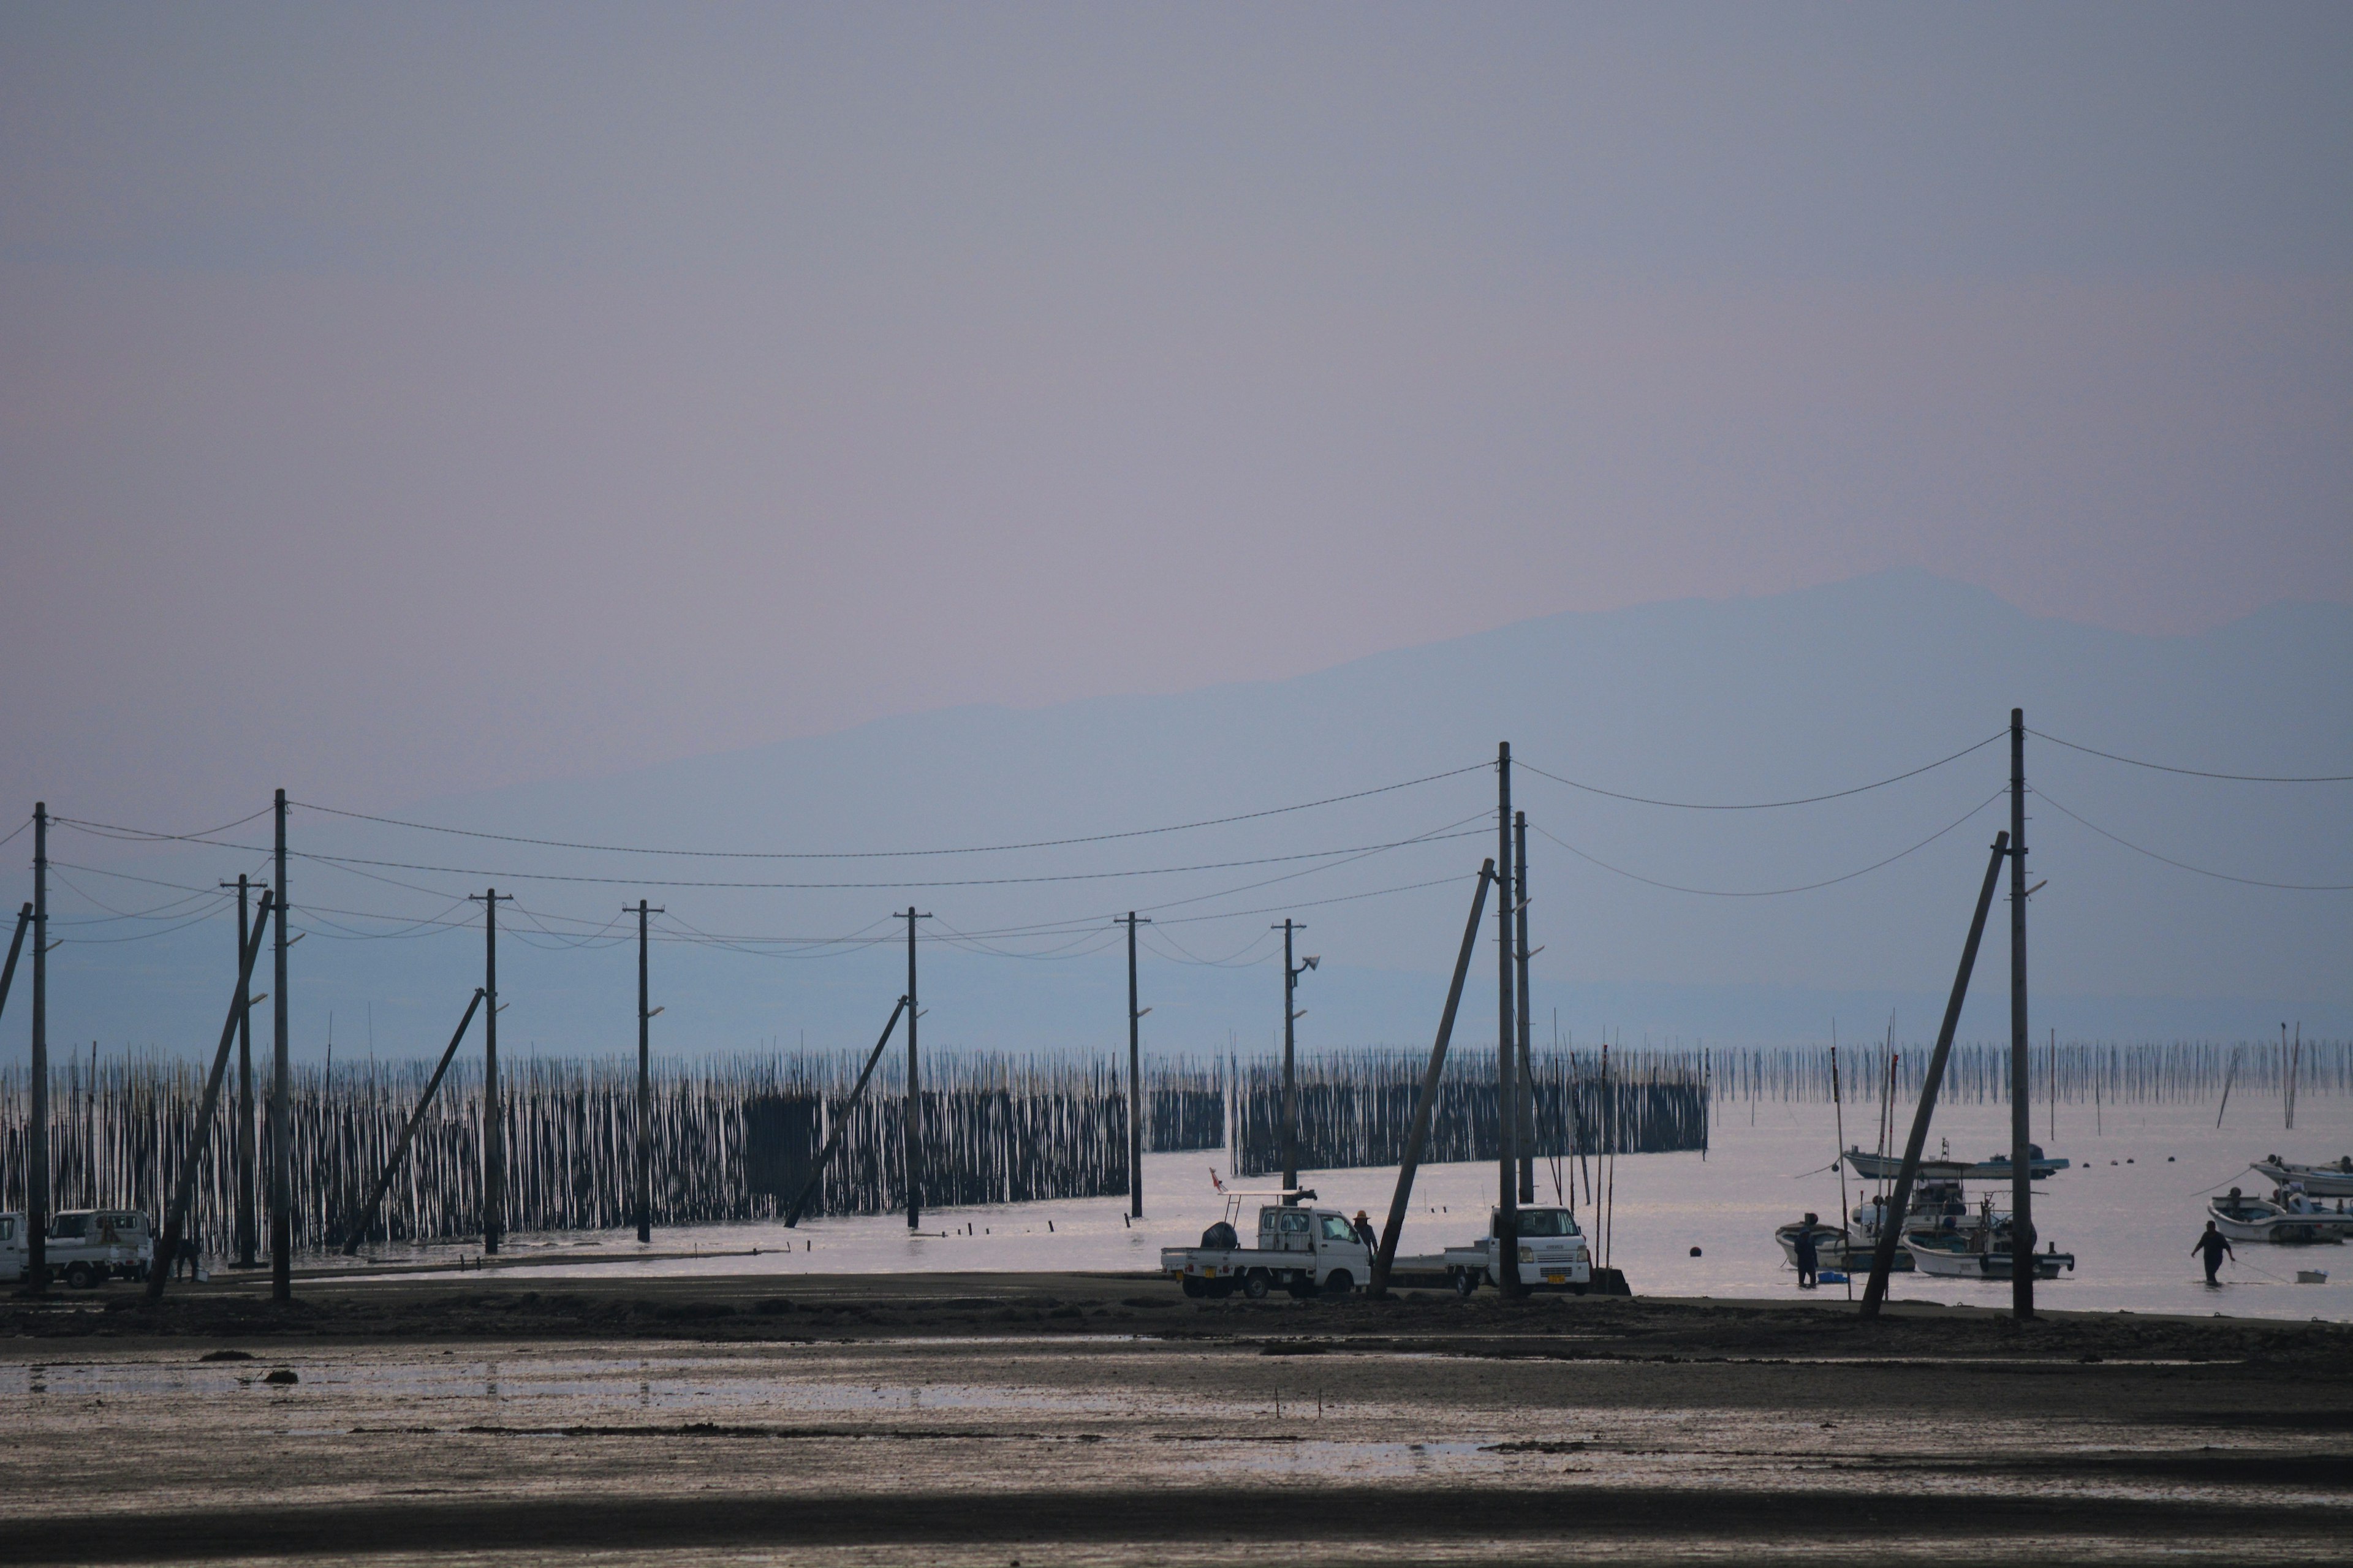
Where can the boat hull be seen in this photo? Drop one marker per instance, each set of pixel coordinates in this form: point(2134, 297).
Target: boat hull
point(1834, 1249)
point(2284, 1229)
point(1951, 1264)
point(2320, 1181)
point(1886, 1167)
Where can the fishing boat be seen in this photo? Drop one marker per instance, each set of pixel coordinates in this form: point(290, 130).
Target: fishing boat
point(1979, 1254)
point(1994, 1168)
point(2243, 1218)
point(2321, 1181)
point(1846, 1248)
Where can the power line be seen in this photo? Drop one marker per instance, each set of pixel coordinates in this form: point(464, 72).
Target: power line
point(201, 835)
point(1351, 850)
point(2044, 796)
point(1761, 805)
point(1774, 892)
point(878, 854)
point(2195, 772)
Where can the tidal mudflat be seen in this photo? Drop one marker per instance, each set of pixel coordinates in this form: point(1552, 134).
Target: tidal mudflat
point(1067, 1419)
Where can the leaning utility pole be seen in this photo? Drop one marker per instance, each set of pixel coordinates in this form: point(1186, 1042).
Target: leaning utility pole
point(494, 1142)
point(1291, 973)
point(1898, 1203)
point(2021, 1072)
point(37, 1147)
point(1507, 1104)
point(281, 1105)
point(1135, 1079)
point(645, 1086)
point(1526, 1098)
point(913, 1132)
point(248, 1236)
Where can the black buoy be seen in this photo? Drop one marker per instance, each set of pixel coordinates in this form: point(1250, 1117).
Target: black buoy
point(1694, 1252)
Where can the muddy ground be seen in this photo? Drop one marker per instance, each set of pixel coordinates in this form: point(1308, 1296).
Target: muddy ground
point(1068, 1419)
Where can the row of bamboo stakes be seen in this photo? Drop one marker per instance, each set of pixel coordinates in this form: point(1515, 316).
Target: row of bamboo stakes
point(732, 1137)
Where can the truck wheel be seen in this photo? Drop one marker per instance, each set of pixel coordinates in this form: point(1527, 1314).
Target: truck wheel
point(1254, 1284)
point(79, 1276)
point(1196, 1285)
point(1466, 1284)
point(1338, 1285)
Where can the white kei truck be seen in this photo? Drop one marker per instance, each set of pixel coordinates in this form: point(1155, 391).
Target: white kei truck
point(84, 1246)
point(1305, 1251)
point(1553, 1256)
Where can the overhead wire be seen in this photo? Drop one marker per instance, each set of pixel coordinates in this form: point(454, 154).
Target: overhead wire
point(2193, 772)
point(2044, 796)
point(1762, 804)
point(887, 853)
point(1771, 892)
point(1349, 851)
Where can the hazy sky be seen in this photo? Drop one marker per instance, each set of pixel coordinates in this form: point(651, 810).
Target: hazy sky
point(399, 400)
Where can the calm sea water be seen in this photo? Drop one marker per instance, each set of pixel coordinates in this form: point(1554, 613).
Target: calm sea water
point(2128, 1209)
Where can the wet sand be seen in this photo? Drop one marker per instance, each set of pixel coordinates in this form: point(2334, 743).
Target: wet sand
point(1079, 1418)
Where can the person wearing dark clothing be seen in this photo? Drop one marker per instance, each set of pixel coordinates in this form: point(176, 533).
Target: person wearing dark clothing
point(1808, 1259)
point(2214, 1244)
point(1364, 1228)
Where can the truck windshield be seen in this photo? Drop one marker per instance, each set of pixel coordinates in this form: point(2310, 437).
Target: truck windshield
point(70, 1225)
point(1547, 1222)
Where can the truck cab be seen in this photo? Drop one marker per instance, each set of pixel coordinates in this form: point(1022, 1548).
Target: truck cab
point(13, 1250)
point(1553, 1254)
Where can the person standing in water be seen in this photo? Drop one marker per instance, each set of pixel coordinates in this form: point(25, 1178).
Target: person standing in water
point(2214, 1244)
point(1808, 1259)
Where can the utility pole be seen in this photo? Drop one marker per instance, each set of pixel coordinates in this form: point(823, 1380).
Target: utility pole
point(1291, 1016)
point(645, 1086)
point(1507, 1103)
point(2021, 1072)
point(282, 1106)
point(1527, 1095)
point(249, 1237)
point(37, 1152)
point(494, 1142)
point(913, 1132)
point(1135, 1079)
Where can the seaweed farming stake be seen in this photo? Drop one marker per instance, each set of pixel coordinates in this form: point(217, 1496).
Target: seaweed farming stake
point(367, 1214)
point(841, 1117)
point(167, 1246)
point(1377, 1282)
point(1891, 1224)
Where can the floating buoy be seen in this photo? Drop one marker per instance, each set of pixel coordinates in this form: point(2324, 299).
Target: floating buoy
point(1694, 1252)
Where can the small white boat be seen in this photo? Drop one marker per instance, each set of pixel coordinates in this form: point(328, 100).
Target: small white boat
point(2255, 1219)
point(1993, 1168)
point(2321, 1181)
point(1983, 1255)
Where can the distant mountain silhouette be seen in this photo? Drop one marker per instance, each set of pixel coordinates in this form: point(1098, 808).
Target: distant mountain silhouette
point(1795, 695)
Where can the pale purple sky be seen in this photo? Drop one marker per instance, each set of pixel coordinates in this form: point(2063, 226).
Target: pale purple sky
point(403, 400)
